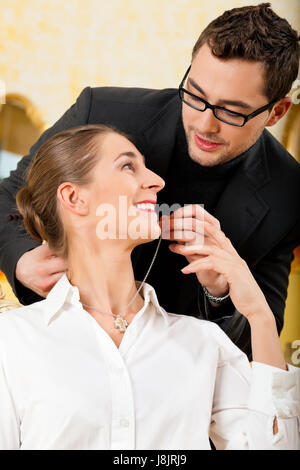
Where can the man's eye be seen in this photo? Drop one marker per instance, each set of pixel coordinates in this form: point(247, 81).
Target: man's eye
point(128, 164)
point(229, 113)
point(196, 98)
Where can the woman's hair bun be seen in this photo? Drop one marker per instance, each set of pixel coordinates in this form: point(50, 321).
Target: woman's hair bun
point(32, 221)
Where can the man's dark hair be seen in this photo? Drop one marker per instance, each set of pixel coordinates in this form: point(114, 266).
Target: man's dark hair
point(256, 33)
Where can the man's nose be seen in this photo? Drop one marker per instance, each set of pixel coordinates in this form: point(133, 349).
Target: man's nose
point(207, 123)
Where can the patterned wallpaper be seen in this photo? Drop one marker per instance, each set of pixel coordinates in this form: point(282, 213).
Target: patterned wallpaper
point(51, 49)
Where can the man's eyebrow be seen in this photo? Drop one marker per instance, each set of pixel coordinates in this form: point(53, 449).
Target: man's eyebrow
point(194, 84)
point(129, 154)
point(240, 104)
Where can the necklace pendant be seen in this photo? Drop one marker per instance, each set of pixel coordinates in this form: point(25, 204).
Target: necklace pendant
point(120, 323)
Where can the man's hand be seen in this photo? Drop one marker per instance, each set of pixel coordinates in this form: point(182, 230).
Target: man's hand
point(219, 258)
point(193, 226)
point(39, 269)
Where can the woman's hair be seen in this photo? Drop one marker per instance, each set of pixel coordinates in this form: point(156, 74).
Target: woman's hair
point(256, 33)
point(69, 156)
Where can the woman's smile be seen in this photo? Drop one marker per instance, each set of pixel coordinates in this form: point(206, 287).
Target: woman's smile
point(148, 206)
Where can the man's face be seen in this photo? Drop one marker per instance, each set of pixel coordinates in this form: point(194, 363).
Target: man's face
point(235, 84)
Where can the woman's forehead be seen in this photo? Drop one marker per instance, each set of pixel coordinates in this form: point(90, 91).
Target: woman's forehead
point(115, 145)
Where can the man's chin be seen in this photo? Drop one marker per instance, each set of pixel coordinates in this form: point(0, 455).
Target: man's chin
point(209, 158)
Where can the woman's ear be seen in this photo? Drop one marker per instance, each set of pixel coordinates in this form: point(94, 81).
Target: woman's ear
point(279, 110)
point(73, 198)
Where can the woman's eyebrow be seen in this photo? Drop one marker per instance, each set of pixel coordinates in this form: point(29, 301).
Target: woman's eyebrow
point(129, 154)
point(240, 104)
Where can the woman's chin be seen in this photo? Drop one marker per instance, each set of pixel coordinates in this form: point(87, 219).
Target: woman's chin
point(146, 234)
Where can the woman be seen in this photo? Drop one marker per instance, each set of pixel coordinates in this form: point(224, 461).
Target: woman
point(74, 375)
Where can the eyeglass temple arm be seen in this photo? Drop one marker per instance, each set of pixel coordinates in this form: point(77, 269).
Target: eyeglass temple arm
point(260, 110)
point(185, 75)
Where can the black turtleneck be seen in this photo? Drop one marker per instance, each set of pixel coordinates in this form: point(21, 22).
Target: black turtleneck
point(189, 182)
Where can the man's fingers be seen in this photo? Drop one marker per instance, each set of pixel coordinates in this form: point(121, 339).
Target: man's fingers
point(179, 235)
point(205, 232)
point(45, 285)
point(56, 265)
point(44, 250)
point(197, 265)
point(186, 224)
point(203, 250)
point(220, 238)
point(55, 278)
point(196, 211)
point(181, 230)
point(213, 262)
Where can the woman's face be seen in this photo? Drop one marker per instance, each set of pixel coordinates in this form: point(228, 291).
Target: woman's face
point(121, 182)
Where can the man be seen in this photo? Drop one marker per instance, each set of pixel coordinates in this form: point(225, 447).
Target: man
point(211, 147)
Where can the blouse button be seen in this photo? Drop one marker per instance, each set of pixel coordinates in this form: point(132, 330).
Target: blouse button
point(124, 423)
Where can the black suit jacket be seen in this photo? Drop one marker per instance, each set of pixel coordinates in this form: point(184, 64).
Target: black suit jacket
point(258, 211)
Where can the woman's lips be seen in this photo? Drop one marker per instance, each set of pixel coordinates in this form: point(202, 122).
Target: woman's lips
point(206, 145)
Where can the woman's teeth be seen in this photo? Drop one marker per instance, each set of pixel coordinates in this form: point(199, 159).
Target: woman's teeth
point(145, 206)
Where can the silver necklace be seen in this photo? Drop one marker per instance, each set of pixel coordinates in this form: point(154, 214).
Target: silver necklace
point(120, 323)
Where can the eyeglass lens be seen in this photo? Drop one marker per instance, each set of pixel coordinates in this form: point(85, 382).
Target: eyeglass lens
point(223, 114)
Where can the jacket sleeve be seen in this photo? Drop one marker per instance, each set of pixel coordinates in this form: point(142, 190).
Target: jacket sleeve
point(14, 240)
point(248, 399)
point(272, 275)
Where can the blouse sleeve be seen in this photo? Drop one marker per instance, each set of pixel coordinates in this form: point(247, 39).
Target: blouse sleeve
point(9, 425)
point(247, 400)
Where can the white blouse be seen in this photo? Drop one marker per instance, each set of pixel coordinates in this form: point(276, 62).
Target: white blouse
point(174, 382)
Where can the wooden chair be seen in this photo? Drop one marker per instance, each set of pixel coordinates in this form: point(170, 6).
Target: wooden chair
point(20, 124)
point(20, 127)
point(7, 301)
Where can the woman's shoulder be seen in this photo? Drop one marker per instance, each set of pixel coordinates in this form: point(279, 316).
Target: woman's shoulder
point(179, 317)
point(211, 332)
point(192, 320)
point(15, 319)
point(188, 322)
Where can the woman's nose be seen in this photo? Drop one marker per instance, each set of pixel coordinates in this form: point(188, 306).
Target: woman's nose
point(153, 180)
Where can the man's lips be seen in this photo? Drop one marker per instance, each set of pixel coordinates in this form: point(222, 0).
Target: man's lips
point(206, 144)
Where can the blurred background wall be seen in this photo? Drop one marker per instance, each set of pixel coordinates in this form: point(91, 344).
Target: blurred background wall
point(51, 49)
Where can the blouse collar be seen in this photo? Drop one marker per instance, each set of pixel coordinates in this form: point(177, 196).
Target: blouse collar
point(64, 292)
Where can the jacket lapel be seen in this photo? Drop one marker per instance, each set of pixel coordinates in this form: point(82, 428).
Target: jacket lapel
point(241, 209)
point(159, 136)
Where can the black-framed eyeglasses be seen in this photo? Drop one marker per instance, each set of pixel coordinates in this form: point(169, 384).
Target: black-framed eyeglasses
point(223, 114)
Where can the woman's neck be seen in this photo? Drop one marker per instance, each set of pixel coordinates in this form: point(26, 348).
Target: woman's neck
point(104, 276)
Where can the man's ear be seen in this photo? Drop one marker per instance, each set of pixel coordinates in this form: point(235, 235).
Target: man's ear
point(279, 110)
point(72, 198)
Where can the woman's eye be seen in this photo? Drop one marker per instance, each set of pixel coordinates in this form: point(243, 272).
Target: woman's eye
point(129, 164)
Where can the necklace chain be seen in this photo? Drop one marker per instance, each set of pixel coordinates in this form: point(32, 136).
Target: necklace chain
point(120, 322)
